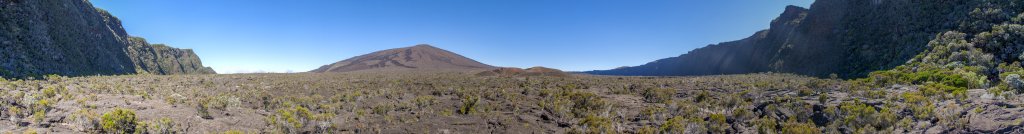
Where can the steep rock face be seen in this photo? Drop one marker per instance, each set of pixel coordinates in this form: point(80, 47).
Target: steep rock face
point(161, 59)
point(420, 57)
point(845, 37)
point(69, 37)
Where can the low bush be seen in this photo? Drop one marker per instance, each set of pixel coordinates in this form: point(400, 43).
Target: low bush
point(717, 123)
point(586, 103)
point(469, 104)
point(942, 90)
point(766, 125)
point(702, 96)
point(597, 124)
point(921, 106)
point(857, 114)
point(958, 78)
point(119, 120)
point(647, 130)
point(382, 109)
point(30, 131)
point(675, 125)
point(203, 109)
point(423, 101)
point(39, 116)
point(50, 92)
point(163, 126)
point(291, 117)
point(233, 132)
point(43, 104)
point(658, 95)
point(793, 127)
point(805, 92)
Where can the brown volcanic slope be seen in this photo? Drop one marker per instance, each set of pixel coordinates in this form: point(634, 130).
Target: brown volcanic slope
point(419, 57)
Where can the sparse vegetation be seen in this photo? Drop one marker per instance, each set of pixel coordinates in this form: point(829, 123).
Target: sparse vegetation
point(769, 103)
point(658, 95)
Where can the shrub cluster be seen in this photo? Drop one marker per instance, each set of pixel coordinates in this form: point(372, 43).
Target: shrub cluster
point(121, 121)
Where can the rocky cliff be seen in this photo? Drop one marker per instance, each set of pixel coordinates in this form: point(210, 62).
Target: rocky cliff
point(73, 38)
point(162, 59)
point(849, 38)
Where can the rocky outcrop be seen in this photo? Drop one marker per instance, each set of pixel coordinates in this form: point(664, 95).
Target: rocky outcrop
point(73, 38)
point(161, 59)
point(849, 38)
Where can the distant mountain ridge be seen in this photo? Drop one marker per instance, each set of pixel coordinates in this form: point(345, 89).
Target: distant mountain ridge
point(419, 57)
point(518, 72)
point(73, 38)
point(849, 38)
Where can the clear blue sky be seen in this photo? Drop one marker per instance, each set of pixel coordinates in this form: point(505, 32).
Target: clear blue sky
point(575, 35)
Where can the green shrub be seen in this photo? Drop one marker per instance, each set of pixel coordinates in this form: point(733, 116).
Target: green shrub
point(30, 131)
point(469, 104)
point(805, 92)
point(886, 118)
point(658, 95)
point(717, 123)
point(14, 111)
point(742, 114)
point(675, 125)
point(1014, 82)
point(584, 103)
point(43, 104)
point(290, 117)
point(823, 99)
point(919, 105)
point(303, 112)
point(203, 109)
point(793, 127)
point(647, 130)
point(119, 121)
point(423, 101)
point(233, 132)
point(142, 127)
point(857, 114)
point(702, 96)
point(933, 89)
point(50, 92)
point(222, 102)
point(53, 77)
point(86, 118)
point(39, 116)
point(960, 78)
point(174, 99)
point(163, 126)
point(766, 125)
point(382, 109)
point(651, 111)
point(597, 124)
point(446, 112)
